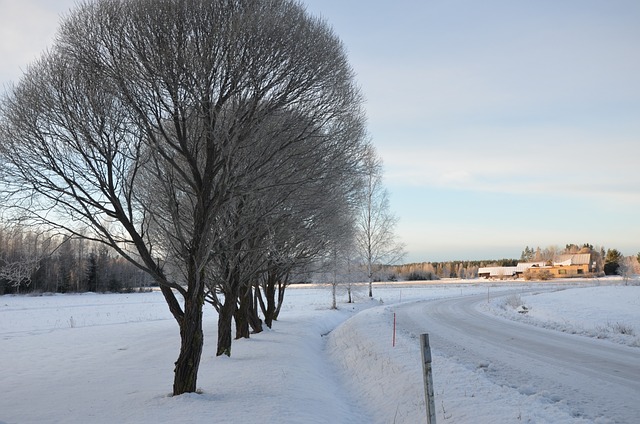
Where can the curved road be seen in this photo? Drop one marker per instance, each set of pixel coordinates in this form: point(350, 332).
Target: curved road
point(595, 378)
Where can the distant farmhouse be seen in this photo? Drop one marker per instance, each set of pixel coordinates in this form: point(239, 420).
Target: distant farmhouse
point(563, 266)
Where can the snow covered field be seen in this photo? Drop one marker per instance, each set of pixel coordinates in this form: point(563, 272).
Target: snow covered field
point(109, 358)
point(610, 313)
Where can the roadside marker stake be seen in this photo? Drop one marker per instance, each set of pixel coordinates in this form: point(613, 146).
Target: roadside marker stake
point(394, 330)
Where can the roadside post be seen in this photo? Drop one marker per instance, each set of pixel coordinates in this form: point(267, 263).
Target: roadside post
point(428, 380)
point(393, 343)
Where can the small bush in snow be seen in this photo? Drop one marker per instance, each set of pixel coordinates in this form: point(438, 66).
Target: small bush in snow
point(545, 275)
point(421, 276)
point(617, 328)
point(514, 301)
point(622, 328)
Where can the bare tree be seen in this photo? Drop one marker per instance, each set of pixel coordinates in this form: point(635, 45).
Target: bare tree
point(626, 268)
point(338, 251)
point(301, 236)
point(233, 268)
point(164, 97)
point(376, 240)
point(23, 250)
point(18, 273)
point(287, 218)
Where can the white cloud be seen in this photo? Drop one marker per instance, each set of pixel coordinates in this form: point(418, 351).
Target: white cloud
point(525, 160)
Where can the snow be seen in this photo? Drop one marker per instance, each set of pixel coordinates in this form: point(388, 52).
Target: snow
point(106, 358)
point(610, 313)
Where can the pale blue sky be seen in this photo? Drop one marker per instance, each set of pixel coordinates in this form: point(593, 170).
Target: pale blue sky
point(501, 123)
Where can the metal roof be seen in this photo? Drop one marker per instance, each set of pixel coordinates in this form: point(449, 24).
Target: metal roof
point(577, 259)
point(523, 266)
point(498, 271)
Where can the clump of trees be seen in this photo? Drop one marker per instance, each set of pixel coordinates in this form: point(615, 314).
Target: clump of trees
point(549, 253)
point(437, 270)
point(607, 261)
point(612, 262)
point(420, 276)
point(217, 146)
point(616, 263)
point(36, 262)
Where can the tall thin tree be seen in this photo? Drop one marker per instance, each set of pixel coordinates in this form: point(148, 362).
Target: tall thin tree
point(376, 240)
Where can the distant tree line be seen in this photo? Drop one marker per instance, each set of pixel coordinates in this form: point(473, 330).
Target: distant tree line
point(607, 262)
point(36, 262)
point(438, 270)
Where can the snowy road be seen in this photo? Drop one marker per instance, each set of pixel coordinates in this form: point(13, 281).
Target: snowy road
point(597, 380)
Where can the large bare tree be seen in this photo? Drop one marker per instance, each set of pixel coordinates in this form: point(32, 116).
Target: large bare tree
point(135, 129)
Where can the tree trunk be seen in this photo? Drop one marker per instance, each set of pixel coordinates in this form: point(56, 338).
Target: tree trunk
point(191, 339)
point(225, 318)
point(334, 305)
point(268, 309)
point(254, 319)
point(281, 288)
point(270, 294)
point(263, 307)
point(246, 316)
point(370, 274)
point(241, 315)
point(242, 323)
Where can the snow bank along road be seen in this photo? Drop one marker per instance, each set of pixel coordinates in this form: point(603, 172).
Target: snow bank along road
point(596, 379)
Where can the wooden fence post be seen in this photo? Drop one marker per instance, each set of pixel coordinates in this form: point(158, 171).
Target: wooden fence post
point(394, 330)
point(428, 380)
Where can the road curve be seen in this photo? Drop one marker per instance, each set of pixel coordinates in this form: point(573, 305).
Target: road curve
point(595, 378)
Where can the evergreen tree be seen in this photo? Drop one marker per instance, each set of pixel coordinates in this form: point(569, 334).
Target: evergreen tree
point(92, 272)
point(537, 257)
point(612, 261)
point(527, 254)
